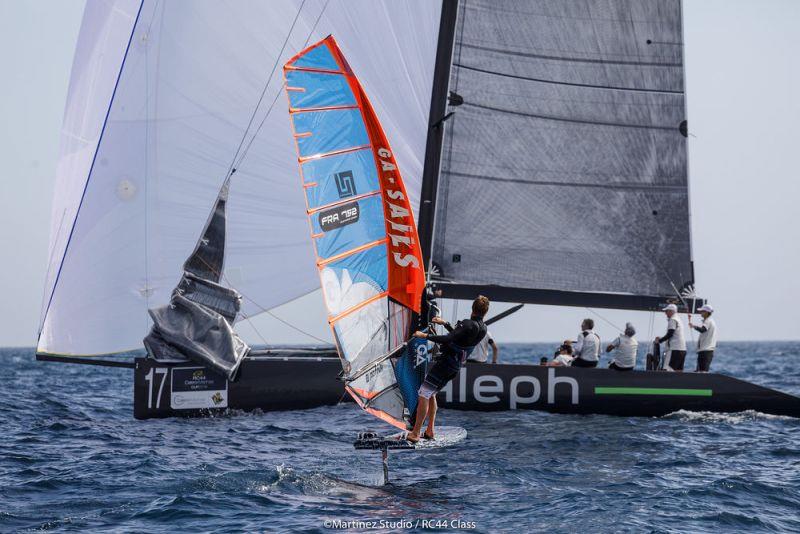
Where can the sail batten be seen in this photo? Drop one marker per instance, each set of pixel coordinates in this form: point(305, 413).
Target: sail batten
point(362, 224)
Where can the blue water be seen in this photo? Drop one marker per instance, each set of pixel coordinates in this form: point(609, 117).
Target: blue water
point(73, 458)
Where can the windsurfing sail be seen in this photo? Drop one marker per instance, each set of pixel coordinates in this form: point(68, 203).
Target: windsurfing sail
point(563, 171)
point(362, 224)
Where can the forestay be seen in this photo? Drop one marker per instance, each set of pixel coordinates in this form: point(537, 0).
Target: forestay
point(564, 171)
point(160, 108)
point(362, 224)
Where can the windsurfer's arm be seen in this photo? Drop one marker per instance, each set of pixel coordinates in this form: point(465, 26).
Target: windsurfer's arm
point(439, 320)
point(702, 328)
point(446, 338)
point(495, 350)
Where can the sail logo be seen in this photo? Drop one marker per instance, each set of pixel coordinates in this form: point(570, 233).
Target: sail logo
point(345, 184)
point(421, 354)
point(338, 216)
point(401, 234)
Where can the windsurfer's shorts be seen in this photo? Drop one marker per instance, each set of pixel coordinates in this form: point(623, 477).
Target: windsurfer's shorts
point(704, 358)
point(441, 372)
point(676, 359)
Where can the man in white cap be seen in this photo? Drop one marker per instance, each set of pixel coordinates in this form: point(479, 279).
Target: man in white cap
point(675, 348)
point(707, 341)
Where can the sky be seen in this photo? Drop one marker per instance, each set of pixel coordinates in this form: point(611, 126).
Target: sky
point(743, 95)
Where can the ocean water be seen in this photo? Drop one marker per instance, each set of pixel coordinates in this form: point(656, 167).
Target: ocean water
point(73, 458)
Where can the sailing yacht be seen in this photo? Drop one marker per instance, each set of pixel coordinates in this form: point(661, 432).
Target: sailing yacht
point(543, 146)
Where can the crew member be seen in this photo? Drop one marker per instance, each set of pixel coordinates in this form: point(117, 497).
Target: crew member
point(624, 347)
point(707, 341)
point(481, 352)
point(675, 347)
point(587, 348)
point(563, 356)
point(456, 346)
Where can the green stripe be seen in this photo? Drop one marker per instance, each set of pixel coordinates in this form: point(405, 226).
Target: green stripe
point(652, 391)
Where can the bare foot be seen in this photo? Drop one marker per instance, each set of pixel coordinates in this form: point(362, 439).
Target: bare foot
point(428, 435)
point(413, 438)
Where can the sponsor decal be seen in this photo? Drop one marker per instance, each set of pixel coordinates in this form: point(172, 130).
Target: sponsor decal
point(338, 216)
point(421, 354)
point(345, 184)
point(402, 244)
point(520, 391)
point(196, 388)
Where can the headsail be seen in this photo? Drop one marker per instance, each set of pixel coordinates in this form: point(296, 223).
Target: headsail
point(362, 224)
point(161, 99)
point(198, 321)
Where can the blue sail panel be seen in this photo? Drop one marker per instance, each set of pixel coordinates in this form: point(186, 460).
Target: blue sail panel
point(316, 90)
point(323, 132)
point(347, 226)
point(318, 57)
point(328, 180)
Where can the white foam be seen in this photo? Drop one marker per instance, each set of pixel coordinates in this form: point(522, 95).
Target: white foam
point(729, 418)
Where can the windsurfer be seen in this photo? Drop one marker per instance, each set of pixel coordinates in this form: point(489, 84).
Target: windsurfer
point(456, 346)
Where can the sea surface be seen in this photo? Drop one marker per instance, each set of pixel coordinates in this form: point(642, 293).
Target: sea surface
point(73, 458)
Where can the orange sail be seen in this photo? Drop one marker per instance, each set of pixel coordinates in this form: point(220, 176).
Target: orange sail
point(362, 224)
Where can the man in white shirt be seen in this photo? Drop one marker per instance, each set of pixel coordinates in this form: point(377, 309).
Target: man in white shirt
point(624, 347)
point(481, 352)
point(563, 356)
point(707, 341)
point(675, 342)
point(587, 348)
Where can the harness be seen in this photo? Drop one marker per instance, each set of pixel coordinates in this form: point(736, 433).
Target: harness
point(460, 353)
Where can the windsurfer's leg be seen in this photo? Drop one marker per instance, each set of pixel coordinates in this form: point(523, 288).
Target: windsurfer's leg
point(432, 407)
point(422, 411)
point(426, 392)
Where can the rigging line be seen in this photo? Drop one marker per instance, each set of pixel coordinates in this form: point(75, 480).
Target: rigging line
point(244, 315)
point(569, 84)
point(571, 120)
point(606, 320)
point(290, 325)
point(570, 59)
point(277, 94)
point(264, 91)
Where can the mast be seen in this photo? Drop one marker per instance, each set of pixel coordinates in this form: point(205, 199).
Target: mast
point(433, 145)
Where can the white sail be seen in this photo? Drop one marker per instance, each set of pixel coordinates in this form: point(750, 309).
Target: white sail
point(134, 190)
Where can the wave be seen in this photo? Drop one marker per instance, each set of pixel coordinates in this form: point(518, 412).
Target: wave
point(728, 418)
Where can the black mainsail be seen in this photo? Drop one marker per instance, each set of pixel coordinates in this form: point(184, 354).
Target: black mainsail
point(563, 173)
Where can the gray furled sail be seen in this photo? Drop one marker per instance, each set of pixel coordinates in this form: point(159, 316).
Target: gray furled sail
point(563, 174)
point(197, 324)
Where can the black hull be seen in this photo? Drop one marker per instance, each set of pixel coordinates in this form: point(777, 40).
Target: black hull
point(300, 382)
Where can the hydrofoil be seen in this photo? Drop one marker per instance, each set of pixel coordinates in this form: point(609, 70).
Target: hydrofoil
point(445, 437)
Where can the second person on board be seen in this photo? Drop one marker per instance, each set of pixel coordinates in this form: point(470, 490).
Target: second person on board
point(674, 340)
point(587, 349)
